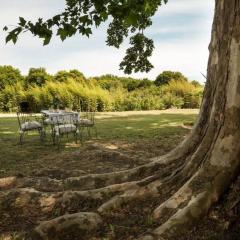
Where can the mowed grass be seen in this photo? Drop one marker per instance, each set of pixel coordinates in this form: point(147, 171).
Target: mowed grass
point(164, 129)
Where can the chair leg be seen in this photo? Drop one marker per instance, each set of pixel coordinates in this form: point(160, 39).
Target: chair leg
point(57, 138)
point(81, 134)
point(96, 131)
point(89, 132)
point(21, 138)
point(76, 137)
point(53, 135)
point(42, 135)
point(54, 138)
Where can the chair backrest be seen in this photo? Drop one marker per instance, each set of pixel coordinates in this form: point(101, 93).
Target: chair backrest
point(91, 116)
point(86, 111)
point(24, 117)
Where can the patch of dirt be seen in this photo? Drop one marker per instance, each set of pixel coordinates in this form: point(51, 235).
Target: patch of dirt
point(102, 157)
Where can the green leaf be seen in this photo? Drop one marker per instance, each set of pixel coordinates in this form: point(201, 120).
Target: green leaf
point(5, 28)
point(62, 33)
point(46, 41)
point(84, 19)
point(132, 20)
point(56, 18)
point(8, 38)
point(104, 15)
point(147, 6)
point(88, 31)
point(22, 21)
point(11, 37)
point(17, 30)
point(14, 38)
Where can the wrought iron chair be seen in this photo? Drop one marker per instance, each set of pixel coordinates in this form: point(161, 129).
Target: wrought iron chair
point(87, 121)
point(28, 122)
point(64, 124)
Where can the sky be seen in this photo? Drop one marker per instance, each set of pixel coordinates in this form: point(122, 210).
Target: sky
point(181, 32)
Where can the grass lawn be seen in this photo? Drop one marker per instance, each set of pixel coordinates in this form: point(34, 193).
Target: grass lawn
point(122, 142)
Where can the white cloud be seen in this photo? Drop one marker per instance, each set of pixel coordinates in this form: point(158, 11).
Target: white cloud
point(30, 9)
point(186, 6)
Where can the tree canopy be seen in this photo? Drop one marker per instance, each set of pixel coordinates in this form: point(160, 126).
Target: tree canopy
point(9, 76)
point(166, 76)
point(127, 18)
point(62, 76)
point(37, 76)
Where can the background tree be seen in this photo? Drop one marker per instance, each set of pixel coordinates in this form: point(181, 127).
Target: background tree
point(167, 76)
point(9, 76)
point(191, 177)
point(145, 83)
point(196, 83)
point(37, 76)
point(63, 76)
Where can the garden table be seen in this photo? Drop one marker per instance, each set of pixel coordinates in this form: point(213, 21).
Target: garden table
point(58, 116)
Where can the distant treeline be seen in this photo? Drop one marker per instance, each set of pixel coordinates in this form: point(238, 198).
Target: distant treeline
point(71, 89)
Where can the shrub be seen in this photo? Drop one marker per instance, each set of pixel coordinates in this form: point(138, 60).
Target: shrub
point(190, 94)
point(118, 96)
point(9, 76)
point(132, 103)
point(10, 97)
point(172, 101)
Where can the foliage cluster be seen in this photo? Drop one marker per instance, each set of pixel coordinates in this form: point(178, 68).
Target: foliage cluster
point(71, 89)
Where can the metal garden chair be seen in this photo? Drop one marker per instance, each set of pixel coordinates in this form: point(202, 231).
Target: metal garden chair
point(29, 122)
point(87, 121)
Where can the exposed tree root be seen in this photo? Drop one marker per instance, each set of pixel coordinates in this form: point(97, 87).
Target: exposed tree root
point(91, 181)
point(136, 192)
point(68, 225)
point(58, 173)
point(26, 197)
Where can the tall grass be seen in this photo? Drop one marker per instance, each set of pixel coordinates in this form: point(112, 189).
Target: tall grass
point(113, 94)
point(69, 94)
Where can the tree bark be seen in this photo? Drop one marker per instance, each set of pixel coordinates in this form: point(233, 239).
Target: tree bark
point(198, 171)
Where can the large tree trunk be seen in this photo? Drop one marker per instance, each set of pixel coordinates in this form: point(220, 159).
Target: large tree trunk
point(192, 177)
